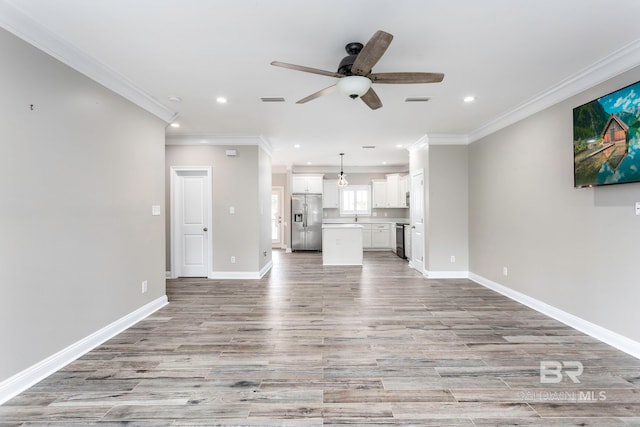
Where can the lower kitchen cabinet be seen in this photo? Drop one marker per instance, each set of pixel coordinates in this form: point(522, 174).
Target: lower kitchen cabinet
point(366, 236)
point(380, 236)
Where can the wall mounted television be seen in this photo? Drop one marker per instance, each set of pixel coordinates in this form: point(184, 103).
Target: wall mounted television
point(606, 139)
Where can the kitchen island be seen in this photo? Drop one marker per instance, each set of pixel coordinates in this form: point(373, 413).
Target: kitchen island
point(342, 244)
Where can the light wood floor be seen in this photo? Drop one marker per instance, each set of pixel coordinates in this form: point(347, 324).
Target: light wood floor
point(310, 345)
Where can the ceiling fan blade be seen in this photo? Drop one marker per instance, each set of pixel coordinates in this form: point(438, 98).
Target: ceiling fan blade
point(318, 94)
point(371, 53)
point(306, 69)
point(406, 77)
point(371, 99)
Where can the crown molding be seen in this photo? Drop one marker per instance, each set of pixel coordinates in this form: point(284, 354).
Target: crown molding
point(421, 143)
point(208, 139)
point(19, 23)
point(616, 63)
point(448, 139)
point(330, 170)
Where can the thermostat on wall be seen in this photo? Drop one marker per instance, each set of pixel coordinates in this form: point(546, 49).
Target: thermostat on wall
point(231, 153)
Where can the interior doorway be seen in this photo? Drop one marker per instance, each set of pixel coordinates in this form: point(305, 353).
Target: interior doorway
point(191, 223)
point(417, 220)
point(277, 214)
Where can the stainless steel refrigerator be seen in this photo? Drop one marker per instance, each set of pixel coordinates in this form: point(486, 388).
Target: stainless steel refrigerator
point(306, 222)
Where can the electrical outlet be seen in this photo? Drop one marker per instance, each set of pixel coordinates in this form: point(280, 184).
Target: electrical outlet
point(233, 260)
point(264, 253)
point(144, 287)
point(453, 259)
point(505, 271)
point(637, 208)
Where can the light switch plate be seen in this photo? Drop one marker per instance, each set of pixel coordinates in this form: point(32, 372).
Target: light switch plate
point(232, 209)
point(155, 210)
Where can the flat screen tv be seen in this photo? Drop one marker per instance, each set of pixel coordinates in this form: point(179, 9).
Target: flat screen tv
point(606, 139)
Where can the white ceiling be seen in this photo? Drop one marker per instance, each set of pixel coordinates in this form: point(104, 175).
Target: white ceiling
point(508, 54)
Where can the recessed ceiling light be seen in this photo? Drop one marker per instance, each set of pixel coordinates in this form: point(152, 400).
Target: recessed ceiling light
point(221, 100)
point(175, 125)
point(384, 163)
point(398, 145)
point(308, 163)
point(175, 99)
point(469, 99)
point(296, 146)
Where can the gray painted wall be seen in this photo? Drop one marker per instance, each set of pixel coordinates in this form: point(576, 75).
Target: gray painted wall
point(78, 176)
point(236, 182)
point(575, 249)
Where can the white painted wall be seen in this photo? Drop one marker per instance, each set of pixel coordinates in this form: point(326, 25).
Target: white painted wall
point(574, 249)
point(78, 176)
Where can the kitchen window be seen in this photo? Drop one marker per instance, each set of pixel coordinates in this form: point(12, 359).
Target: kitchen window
point(355, 200)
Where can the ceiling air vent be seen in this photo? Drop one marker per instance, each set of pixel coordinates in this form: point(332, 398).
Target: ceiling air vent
point(273, 99)
point(368, 147)
point(417, 99)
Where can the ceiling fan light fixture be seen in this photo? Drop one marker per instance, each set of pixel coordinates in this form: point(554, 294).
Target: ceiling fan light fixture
point(354, 86)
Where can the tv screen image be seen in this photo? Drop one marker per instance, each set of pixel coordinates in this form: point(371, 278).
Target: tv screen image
point(606, 139)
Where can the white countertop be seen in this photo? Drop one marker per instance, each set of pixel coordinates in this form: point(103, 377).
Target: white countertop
point(365, 220)
point(342, 226)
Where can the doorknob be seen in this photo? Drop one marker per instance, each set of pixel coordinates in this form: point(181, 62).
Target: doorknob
point(204, 229)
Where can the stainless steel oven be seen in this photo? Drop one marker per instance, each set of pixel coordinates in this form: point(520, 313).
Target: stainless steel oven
point(400, 241)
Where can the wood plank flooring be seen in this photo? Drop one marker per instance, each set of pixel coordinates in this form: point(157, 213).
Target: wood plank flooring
point(310, 345)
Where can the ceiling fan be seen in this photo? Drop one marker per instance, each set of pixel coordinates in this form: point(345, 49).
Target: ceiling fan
point(354, 72)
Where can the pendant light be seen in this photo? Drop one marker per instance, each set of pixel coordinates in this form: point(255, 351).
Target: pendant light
point(342, 181)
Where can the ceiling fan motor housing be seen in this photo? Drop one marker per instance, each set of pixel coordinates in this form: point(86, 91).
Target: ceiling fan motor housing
point(353, 49)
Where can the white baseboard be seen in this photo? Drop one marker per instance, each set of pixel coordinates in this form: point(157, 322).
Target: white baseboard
point(241, 275)
point(446, 274)
point(614, 339)
point(168, 275)
point(18, 383)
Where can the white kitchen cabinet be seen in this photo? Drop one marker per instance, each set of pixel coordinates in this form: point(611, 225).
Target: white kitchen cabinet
point(330, 194)
point(397, 187)
point(379, 187)
point(393, 190)
point(366, 236)
point(307, 184)
point(380, 236)
point(404, 189)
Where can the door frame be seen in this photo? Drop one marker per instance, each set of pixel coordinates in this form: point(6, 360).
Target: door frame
point(280, 190)
point(174, 255)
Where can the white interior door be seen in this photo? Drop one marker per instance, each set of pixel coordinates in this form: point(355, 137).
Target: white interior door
point(277, 209)
point(191, 223)
point(417, 220)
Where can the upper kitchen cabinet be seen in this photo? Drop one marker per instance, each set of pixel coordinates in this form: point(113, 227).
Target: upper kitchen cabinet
point(330, 194)
point(379, 187)
point(390, 192)
point(307, 184)
point(397, 187)
point(393, 190)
